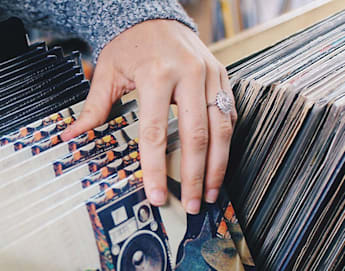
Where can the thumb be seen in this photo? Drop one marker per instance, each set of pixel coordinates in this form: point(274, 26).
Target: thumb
point(107, 86)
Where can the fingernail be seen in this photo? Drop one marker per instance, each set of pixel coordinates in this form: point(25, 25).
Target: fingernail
point(211, 195)
point(157, 197)
point(193, 206)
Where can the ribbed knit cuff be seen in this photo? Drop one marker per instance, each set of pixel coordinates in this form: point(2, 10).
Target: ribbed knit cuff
point(117, 16)
point(96, 21)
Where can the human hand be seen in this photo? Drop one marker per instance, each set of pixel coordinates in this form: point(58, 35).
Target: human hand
point(167, 63)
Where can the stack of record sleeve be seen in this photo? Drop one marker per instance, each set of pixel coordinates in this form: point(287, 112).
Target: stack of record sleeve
point(286, 173)
point(80, 205)
point(76, 205)
point(36, 82)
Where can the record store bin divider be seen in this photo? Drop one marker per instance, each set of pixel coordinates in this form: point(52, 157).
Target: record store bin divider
point(80, 205)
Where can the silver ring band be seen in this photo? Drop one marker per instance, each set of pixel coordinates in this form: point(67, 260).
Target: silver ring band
point(223, 101)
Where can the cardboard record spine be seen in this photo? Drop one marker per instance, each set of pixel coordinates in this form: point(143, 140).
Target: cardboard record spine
point(26, 191)
point(51, 134)
point(47, 92)
point(29, 215)
point(49, 171)
point(33, 68)
point(16, 68)
point(43, 133)
point(48, 150)
point(29, 129)
point(48, 194)
point(55, 103)
point(40, 86)
point(34, 49)
point(33, 82)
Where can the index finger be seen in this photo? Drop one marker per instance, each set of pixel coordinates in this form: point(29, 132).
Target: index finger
point(97, 105)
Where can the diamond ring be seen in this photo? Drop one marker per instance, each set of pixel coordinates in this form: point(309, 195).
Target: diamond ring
point(223, 102)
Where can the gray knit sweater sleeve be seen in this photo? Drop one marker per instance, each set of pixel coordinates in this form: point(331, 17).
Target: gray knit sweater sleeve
point(96, 21)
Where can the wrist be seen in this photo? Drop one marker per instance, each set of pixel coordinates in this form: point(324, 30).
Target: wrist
point(123, 15)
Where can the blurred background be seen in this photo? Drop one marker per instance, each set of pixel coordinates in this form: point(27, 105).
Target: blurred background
point(216, 19)
point(219, 19)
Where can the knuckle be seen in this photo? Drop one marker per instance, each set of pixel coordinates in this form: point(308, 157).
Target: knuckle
point(200, 138)
point(87, 116)
point(224, 130)
point(196, 67)
point(162, 70)
point(217, 176)
point(153, 134)
point(195, 183)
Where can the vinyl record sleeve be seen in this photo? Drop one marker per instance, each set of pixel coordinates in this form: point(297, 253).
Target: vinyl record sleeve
point(129, 156)
point(23, 103)
point(297, 40)
point(285, 47)
point(65, 205)
point(321, 230)
point(37, 136)
point(29, 129)
point(42, 143)
point(278, 153)
point(314, 193)
point(276, 193)
point(44, 128)
point(125, 157)
point(332, 81)
point(265, 213)
point(36, 200)
point(33, 50)
point(49, 150)
point(294, 194)
point(67, 97)
point(18, 67)
point(30, 83)
point(32, 71)
point(55, 78)
point(249, 107)
point(65, 200)
point(27, 71)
